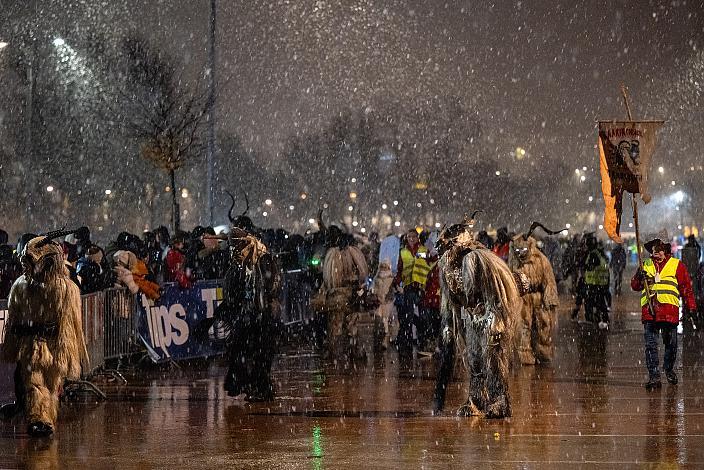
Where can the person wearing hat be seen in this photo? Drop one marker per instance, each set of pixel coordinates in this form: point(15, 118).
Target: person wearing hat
point(668, 281)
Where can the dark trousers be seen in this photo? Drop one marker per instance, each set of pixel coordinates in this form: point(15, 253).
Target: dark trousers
point(669, 339)
point(405, 306)
point(596, 304)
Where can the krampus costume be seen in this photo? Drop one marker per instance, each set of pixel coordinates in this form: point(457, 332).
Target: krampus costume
point(536, 284)
point(344, 274)
point(43, 333)
point(248, 313)
point(477, 290)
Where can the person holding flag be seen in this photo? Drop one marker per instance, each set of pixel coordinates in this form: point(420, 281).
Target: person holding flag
point(662, 280)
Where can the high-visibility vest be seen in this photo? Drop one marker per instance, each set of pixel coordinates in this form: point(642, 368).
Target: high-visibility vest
point(415, 269)
point(599, 275)
point(665, 287)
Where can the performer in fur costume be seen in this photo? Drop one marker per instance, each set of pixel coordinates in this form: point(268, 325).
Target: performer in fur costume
point(478, 293)
point(249, 311)
point(536, 284)
point(386, 312)
point(344, 273)
point(43, 333)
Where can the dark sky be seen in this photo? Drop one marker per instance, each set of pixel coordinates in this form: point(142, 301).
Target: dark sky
point(537, 73)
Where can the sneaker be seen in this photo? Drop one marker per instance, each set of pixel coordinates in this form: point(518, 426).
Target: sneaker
point(671, 378)
point(653, 385)
point(603, 325)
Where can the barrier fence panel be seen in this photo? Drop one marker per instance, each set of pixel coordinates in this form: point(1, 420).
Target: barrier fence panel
point(3, 319)
point(93, 313)
point(295, 297)
point(120, 323)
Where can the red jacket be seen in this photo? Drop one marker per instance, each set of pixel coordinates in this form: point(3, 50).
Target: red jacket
point(176, 269)
point(666, 312)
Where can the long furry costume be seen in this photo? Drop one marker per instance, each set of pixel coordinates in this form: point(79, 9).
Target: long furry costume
point(477, 290)
point(540, 300)
point(344, 270)
point(43, 334)
point(248, 312)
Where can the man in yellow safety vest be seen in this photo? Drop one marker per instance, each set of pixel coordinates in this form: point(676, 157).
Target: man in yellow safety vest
point(668, 281)
point(414, 265)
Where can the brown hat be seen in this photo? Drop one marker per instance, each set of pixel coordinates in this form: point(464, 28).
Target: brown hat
point(654, 239)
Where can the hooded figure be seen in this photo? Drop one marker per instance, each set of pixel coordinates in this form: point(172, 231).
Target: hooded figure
point(536, 284)
point(43, 334)
point(249, 312)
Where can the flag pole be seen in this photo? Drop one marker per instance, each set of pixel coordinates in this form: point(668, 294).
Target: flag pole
point(624, 92)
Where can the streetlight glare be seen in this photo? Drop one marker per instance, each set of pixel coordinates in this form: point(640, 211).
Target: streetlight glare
point(3, 44)
point(49, 188)
point(58, 42)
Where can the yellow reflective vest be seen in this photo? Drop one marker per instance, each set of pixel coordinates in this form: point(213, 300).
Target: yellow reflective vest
point(599, 276)
point(665, 287)
point(415, 269)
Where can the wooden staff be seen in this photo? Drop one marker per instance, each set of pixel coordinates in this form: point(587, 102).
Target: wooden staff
point(634, 204)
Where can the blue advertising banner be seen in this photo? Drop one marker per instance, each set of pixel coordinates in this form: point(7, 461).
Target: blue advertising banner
point(167, 327)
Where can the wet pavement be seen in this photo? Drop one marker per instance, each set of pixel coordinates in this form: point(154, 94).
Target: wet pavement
point(588, 409)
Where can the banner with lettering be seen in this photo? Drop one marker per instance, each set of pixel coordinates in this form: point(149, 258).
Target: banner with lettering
point(168, 327)
point(625, 154)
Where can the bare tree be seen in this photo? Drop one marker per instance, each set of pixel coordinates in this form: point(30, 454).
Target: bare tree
point(167, 118)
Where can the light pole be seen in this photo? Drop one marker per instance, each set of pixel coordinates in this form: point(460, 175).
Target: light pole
point(211, 112)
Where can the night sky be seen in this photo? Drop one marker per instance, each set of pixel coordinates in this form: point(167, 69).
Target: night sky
point(537, 74)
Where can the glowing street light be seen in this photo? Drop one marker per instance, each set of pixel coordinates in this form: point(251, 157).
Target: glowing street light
point(58, 42)
point(661, 170)
point(49, 188)
point(268, 202)
point(108, 192)
point(3, 44)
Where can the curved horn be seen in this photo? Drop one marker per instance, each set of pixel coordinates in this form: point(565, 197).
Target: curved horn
point(49, 236)
point(229, 213)
point(474, 214)
point(246, 199)
point(535, 225)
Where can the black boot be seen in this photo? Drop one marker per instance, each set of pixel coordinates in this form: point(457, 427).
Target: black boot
point(40, 429)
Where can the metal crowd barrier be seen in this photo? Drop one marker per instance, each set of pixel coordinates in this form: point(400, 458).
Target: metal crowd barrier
point(3, 318)
point(120, 323)
point(295, 297)
point(93, 316)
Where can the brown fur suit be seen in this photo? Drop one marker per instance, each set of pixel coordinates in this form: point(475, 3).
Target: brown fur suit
point(540, 300)
point(43, 333)
point(477, 287)
point(344, 271)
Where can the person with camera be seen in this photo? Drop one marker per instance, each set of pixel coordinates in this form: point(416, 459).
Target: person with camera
point(663, 281)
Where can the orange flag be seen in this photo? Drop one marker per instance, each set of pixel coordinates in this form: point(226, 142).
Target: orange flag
point(625, 154)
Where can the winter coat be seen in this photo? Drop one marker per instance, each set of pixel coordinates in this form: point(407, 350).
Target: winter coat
point(92, 275)
point(666, 312)
point(10, 270)
point(176, 269)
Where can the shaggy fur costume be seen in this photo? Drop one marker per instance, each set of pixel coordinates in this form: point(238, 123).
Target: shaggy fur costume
point(43, 334)
point(540, 300)
point(478, 290)
point(344, 271)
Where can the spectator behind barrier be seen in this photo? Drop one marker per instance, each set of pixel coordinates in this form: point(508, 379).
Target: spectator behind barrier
point(10, 267)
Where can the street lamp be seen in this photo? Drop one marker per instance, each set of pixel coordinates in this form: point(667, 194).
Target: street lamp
point(3, 44)
point(58, 42)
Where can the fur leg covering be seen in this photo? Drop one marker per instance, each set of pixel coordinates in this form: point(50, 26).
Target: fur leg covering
point(543, 325)
point(525, 347)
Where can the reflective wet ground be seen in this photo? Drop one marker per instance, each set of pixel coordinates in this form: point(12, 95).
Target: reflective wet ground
point(588, 408)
